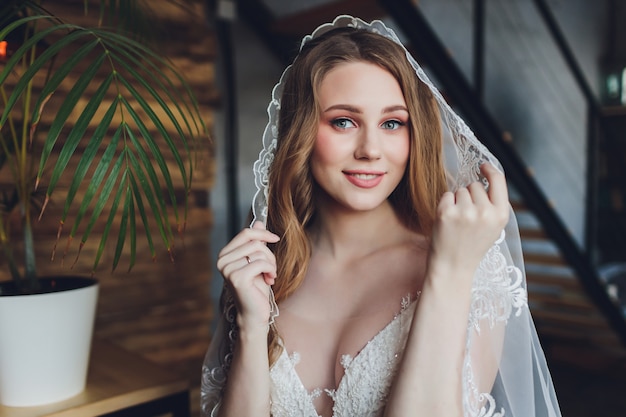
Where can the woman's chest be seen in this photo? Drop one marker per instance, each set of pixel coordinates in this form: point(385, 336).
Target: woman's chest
point(335, 314)
point(354, 384)
point(323, 344)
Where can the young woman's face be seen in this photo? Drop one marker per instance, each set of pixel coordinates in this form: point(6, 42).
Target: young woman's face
point(362, 143)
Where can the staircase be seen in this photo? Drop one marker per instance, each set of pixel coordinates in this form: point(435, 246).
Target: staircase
point(564, 314)
point(573, 313)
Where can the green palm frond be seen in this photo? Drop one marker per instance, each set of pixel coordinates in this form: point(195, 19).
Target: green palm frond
point(120, 112)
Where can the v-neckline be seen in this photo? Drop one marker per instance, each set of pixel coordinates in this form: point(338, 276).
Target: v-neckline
point(408, 306)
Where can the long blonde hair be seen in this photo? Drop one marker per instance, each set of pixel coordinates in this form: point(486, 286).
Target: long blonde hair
point(291, 203)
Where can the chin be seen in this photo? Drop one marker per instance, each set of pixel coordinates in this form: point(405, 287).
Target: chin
point(366, 205)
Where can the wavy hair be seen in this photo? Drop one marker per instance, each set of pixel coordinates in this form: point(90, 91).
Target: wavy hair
point(291, 203)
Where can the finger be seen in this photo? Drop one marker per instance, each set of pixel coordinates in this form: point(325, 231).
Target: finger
point(236, 258)
point(269, 278)
point(247, 235)
point(228, 268)
point(261, 267)
point(258, 225)
point(478, 194)
point(264, 254)
point(498, 192)
point(241, 269)
point(251, 275)
point(462, 197)
point(446, 201)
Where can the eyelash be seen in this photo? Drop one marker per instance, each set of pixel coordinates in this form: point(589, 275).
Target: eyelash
point(340, 120)
point(398, 124)
point(336, 122)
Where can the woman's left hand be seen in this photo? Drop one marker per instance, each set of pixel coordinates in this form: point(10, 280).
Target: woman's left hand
point(468, 222)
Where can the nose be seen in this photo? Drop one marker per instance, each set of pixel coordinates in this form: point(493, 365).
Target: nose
point(368, 145)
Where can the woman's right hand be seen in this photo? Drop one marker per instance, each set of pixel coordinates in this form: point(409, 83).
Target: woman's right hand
point(249, 268)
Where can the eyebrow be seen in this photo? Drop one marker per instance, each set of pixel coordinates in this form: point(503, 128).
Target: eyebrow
point(353, 109)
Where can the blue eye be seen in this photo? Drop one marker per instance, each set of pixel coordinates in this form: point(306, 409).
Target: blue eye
point(342, 123)
point(392, 124)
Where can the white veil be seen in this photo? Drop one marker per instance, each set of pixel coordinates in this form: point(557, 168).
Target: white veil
point(523, 386)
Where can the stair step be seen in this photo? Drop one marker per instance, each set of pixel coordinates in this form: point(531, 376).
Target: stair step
point(532, 233)
point(583, 322)
point(569, 335)
point(565, 301)
point(560, 281)
point(521, 206)
point(609, 361)
point(544, 259)
point(518, 205)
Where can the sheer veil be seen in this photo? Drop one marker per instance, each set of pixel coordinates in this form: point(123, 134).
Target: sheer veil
point(523, 386)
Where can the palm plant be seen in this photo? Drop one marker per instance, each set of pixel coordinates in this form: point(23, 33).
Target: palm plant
point(122, 104)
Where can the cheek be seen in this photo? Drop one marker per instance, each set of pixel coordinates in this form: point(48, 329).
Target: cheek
point(325, 149)
point(400, 151)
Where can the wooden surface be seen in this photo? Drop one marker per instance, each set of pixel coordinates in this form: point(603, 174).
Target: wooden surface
point(117, 380)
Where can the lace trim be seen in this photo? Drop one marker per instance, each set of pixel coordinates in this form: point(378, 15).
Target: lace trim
point(347, 359)
point(365, 384)
point(295, 358)
point(213, 379)
point(497, 288)
point(496, 293)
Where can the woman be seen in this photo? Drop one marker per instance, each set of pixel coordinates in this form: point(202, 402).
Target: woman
point(389, 248)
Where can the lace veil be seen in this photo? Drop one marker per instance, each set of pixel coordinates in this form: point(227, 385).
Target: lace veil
point(523, 386)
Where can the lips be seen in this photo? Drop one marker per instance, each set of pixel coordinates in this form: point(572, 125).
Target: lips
point(364, 179)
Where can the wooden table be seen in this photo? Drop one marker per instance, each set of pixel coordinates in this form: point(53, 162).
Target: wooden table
point(120, 384)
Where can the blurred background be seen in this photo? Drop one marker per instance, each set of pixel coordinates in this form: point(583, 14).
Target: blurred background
point(541, 82)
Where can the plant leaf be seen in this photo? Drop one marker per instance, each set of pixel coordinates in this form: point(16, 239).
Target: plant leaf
point(156, 153)
point(142, 214)
point(103, 197)
point(33, 68)
point(89, 154)
point(156, 76)
point(66, 108)
point(59, 75)
point(121, 237)
point(133, 231)
point(156, 186)
point(160, 127)
point(160, 218)
point(96, 179)
point(76, 135)
point(149, 60)
point(107, 227)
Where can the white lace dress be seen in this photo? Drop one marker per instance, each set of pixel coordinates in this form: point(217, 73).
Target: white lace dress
point(499, 321)
point(363, 389)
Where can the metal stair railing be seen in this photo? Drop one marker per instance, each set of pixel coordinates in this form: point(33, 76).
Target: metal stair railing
point(427, 45)
point(594, 115)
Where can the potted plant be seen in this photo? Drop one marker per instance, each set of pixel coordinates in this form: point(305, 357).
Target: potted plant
point(118, 109)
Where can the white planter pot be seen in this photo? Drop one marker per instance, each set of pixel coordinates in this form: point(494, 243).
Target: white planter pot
point(45, 340)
